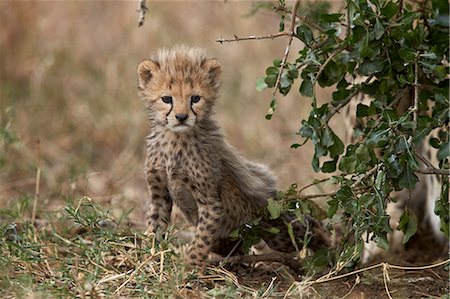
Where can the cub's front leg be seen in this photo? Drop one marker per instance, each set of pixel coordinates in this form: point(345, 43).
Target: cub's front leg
point(159, 203)
point(207, 231)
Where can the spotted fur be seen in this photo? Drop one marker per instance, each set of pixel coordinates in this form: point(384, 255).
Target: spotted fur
point(188, 160)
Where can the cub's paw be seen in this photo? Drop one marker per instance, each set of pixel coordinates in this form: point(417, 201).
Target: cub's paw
point(195, 259)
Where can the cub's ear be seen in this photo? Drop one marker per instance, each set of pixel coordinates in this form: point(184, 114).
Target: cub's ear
point(145, 72)
point(214, 69)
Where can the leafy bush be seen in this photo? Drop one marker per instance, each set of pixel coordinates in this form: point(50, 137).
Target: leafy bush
point(399, 51)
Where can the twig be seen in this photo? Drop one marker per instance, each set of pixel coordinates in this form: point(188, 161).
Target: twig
point(430, 168)
point(367, 174)
point(38, 181)
point(386, 279)
point(357, 281)
point(288, 47)
point(312, 184)
point(434, 171)
point(327, 279)
point(288, 259)
point(322, 67)
point(317, 195)
point(142, 10)
point(253, 37)
point(304, 19)
point(416, 94)
point(345, 101)
point(353, 186)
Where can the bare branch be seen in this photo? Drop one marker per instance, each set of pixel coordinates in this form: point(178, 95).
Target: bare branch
point(304, 19)
point(252, 37)
point(288, 47)
point(322, 67)
point(289, 259)
point(142, 10)
point(430, 167)
point(344, 102)
point(310, 196)
point(434, 171)
point(416, 94)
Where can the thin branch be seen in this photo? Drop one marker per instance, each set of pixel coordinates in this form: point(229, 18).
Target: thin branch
point(416, 94)
point(367, 174)
point(345, 101)
point(430, 167)
point(253, 37)
point(317, 195)
point(325, 278)
point(312, 184)
point(331, 194)
point(304, 19)
point(322, 67)
point(434, 171)
point(288, 47)
point(142, 10)
point(288, 259)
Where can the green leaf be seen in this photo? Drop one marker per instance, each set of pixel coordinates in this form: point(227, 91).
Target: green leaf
point(272, 230)
point(434, 142)
point(327, 139)
point(330, 18)
point(261, 84)
point(329, 166)
point(407, 179)
point(408, 55)
point(271, 70)
point(444, 151)
point(383, 242)
point(270, 80)
point(378, 29)
point(332, 208)
point(306, 88)
point(332, 73)
point(274, 208)
point(362, 110)
point(277, 62)
point(389, 10)
point(305, 34)
point(408, 224)
point(337, 148)
point(370, 67)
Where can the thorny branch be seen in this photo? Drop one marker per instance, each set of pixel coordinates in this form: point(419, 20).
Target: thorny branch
point(252, 37)
point(290, 33)
point(288, 47)
point(142, 10)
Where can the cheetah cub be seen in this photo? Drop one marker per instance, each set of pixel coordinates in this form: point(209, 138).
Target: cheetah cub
point(188, 161)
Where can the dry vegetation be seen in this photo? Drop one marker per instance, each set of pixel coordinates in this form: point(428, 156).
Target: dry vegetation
point(69, 110)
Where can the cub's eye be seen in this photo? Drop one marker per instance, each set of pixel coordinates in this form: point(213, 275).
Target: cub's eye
point(195, 99)
point(167, 99)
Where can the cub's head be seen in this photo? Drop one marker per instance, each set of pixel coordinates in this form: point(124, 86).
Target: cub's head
point(179, 86)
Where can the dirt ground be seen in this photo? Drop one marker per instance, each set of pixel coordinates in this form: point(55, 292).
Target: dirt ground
point(422, 250)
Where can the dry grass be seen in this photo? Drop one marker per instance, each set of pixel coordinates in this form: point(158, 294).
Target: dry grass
point(67, 80)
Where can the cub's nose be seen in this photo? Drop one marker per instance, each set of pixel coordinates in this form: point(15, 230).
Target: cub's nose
point(181, 117)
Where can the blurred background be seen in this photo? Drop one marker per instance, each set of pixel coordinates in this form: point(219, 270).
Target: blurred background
point(68, 97)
